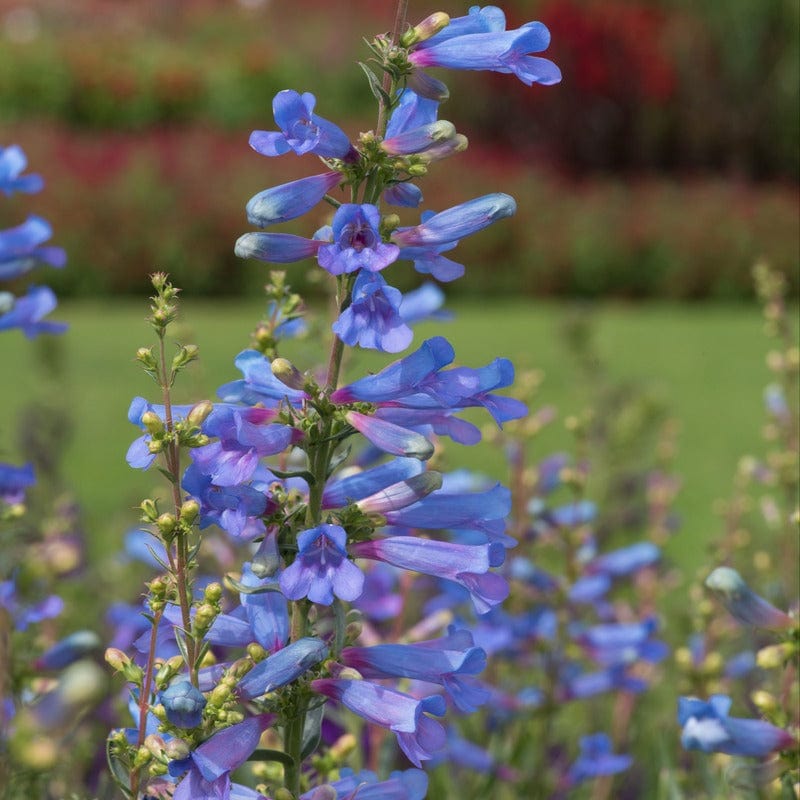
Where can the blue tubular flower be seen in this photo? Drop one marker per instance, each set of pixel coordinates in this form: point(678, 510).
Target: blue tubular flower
point(27, 313)
point(426, 422)
point(68, 650)
point(467, 565)
point(391, 438)
point(623, 642)
point(450, 661)
point(457, 222)
point(411, 112)
point(210, 765)
point(235, 509)
point(14, 481)
point(282, 667)
point(357, 241)
point(743, 603)
point(400, 378)
point(497, 51)
point(301, 130)
point(423, 304)
point(590, 684)
point(20, 249)
point(289, 200)
point(23, 616)
point(183, 704)
point(479, 20)
point(12, 164)
point(372, 320)
point(401, 494)
point(259, 384)
point(472, 511)
point(355, 487)
point(276, 248)
point(707, 727)
point(412, 784)
point(625, 560)
point(262, 617)
point(404, 194)
point(418, 735)
point(322, 568)
point(596, 759)
point(419, 140)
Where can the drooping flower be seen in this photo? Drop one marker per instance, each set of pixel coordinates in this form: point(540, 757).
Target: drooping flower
point(706, 726)
point(373, 319)
point(282, 667)
point(322, 568)
point(418, 735)
point(276, 248)
point(301, 130)
point(391, 438)
point(356, 241)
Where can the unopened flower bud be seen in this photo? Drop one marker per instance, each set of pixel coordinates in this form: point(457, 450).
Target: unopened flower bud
point(352, 631)
point(287, 373)
point(350, 674)
point(116, 659)
point(166, 524)
point(774, 656)
point(284, 794)
point(189, 511)
point(144, 355)
point(152, 422)
point(185, 355)
point(256, 652)
point(155, 446)
point(176, 749)
point(183, 704)
point(764, 701)
point(423, 31)
point(213, 592)
point(149, 510)
point(220, 694)
point(155, 744)
point(199, 413)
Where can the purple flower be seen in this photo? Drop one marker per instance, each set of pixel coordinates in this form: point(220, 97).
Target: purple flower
point(282, 667)
point(450, 661)
point(495, 50)
point(210, 765)
point(362, 484)
point(21, 250)
point(423, 304)
point(743, 603)
point(289, 200)
point(356, 241)
point(622, 642)
point(625, 560)
point(373, 319)
point(456, 223)
point(23, 616)
point(707, 727)
point(410, 113)
point(12, 164)
point(467, 565)
point(418, 735)
point(183, 704)
point(420, 140)
point(391, 438)
point(322, 568)
point(301, 130)
point(27, 313)
point(596, 759)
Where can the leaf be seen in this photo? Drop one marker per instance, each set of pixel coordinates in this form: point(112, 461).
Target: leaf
point(119, 770)
point(168, 475)
point(266, 754)
point(204, 648)
point(304, 474)
point(180, 640)
point(312, 731)
point(157, 557)
point(375, 85)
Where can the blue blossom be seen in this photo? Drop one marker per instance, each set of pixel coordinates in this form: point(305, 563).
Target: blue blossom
point(497, 50)
point(259, 385)
point(301, 130)
point(282, 667)
point(596, 759)
point(450, 661)
point(356, 241)
point(351, 488)
point(276, 248)
point(12, 164)
point(207, 770)
point(391, 438)
point(21, 250)
point(411, 112)
point(183, 704)
point(27, 312)
point(418, 735)
point(14, 481)
point(373, 319)
point(467, 565)
point(322, 568)
point(706, 726)
point(23, 616)
point(625, 561)
point(289, 200)
point(423, 304)
point(411, 784)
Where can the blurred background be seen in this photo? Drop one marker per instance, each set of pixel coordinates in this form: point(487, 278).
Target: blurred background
point(665, 163)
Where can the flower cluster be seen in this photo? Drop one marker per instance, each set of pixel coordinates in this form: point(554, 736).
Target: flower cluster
point(268, 465)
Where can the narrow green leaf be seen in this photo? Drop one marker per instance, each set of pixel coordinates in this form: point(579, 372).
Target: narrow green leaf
point(119, 770)
point(266, 754)
point(312, 731)
point(232, 583)
point(374, 84)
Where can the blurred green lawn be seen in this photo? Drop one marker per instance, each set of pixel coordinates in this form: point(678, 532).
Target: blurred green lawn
point(707, 363)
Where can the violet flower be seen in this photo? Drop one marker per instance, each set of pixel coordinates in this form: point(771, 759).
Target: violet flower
point(21, 250)
point(743, 603)
point(357, 242)
point(282, 667)
point(27, 312)
point(289, 200)
point(12, 164)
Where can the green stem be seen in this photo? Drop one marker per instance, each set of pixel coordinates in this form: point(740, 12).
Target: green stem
point(293, 747)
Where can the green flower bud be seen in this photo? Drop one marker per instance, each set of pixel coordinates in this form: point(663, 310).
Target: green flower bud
point(199, 413)
point(429, 27)
point(176, 749)
point(189, 511)
point(166, 524)
point(287, 373)
point(116, 659)
point(213, 592)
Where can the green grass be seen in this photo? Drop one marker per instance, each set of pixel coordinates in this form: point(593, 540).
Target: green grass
point(705, 362)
